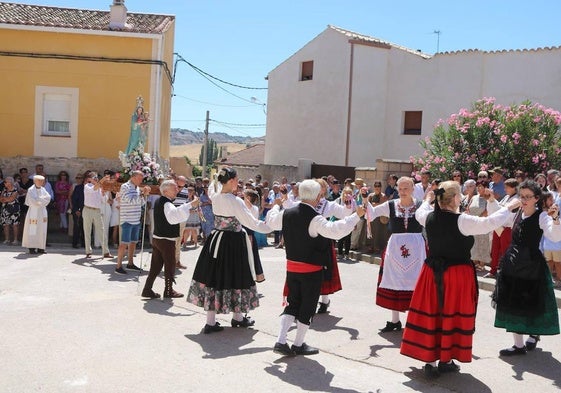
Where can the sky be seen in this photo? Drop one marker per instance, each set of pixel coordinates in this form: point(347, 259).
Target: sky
point(240, 42)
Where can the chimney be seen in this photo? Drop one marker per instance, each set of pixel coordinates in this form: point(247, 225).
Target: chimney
point(118, 15)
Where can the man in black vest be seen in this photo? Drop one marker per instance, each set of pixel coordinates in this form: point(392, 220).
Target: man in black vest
point(306, 235)
point(166, 231)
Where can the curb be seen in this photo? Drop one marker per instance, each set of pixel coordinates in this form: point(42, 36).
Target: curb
point(486, 284)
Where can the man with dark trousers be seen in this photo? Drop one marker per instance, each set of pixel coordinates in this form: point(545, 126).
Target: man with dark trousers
point(166, 231)
point(307, 248)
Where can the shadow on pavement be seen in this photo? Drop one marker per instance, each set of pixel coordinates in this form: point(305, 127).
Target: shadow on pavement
point(327, 322)
point(393, 337)
point(25, 255)
point(226, 343)
point(162, 307)
point(305, 373)
point(97, 262)
point(456, 382)
point(538, 362)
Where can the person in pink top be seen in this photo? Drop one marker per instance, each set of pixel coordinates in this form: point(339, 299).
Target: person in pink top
point(62, 192)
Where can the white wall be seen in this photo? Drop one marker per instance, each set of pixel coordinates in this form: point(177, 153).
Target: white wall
point(309, 119)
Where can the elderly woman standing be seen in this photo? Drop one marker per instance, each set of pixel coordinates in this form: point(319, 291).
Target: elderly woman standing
point(10, 210)
point(404, 254)
point(441, 319)
point(35, 227)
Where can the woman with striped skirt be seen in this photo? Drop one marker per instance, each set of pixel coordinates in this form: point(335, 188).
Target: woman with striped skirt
point(441, 319)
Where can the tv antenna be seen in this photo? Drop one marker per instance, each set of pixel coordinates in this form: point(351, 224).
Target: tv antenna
point(437, 32)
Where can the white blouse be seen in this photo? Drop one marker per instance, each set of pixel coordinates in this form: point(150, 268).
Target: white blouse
point(229, 205)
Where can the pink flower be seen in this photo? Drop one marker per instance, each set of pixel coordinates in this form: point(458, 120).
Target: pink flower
point(504, 138)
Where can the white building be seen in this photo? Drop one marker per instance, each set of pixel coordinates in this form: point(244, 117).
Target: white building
point(348, 99)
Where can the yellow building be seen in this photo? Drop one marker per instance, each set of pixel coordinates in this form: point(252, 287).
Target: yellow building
point(70, 78)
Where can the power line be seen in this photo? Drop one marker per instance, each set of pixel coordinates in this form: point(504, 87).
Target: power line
point(210, 103)
point(238, 124)
point(180, 58)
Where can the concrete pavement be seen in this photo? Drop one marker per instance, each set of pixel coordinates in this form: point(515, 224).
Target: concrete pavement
point(71, 325)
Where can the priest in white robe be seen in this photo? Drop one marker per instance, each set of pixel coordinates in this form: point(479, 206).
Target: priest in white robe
point(35, 227)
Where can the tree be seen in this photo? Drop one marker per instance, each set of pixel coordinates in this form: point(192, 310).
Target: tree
point(524, 136)
point(212, 153)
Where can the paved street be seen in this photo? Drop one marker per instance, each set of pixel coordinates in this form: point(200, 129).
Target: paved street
point(71, 325)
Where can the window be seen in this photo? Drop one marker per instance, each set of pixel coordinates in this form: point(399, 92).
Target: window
point(56, 114)
point(307, 71)
point(412, 122)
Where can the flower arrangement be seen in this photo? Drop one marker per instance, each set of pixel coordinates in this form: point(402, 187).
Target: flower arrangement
point(138, 160)
point(524, 136)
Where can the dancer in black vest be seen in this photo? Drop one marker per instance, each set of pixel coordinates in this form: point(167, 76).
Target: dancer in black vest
point(166, 231)
point(306, 240)
point(441, 319)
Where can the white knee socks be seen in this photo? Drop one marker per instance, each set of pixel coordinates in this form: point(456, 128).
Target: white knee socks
point(301, 330)
point(286, 322)
point(395, 316)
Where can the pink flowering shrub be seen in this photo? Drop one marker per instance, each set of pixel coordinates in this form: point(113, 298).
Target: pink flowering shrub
point(524, 136)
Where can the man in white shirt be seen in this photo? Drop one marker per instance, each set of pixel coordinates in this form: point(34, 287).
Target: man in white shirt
point(421, 189)
point(91, 214)
point(307, 249)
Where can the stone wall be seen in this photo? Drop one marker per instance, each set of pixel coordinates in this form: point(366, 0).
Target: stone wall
point(382, 170)
point(11, 165)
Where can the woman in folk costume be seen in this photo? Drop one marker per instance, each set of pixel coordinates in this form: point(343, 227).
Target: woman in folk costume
point(332, 280)
point(35, 227)
point(441, 319)
point(524, 297)
point(404, 255)
point(224, 277)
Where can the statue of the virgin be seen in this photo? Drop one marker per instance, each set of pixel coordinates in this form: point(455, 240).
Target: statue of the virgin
point(139, 127)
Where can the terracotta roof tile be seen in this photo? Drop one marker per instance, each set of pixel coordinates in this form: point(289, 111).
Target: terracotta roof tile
point(73, 18)
point(252, 156)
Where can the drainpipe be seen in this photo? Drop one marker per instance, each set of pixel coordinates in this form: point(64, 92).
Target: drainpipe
point(349, 105)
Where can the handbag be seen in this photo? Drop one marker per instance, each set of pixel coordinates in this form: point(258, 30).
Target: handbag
point(11, 208)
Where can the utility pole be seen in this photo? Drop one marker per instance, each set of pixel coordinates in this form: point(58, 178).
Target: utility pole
point(205, 144)
point(437, 32)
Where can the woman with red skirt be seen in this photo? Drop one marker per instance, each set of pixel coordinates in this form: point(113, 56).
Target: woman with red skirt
point(441, 319)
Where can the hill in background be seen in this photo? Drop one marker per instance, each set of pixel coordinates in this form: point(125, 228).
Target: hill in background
point(180, 136)
point(189, 143)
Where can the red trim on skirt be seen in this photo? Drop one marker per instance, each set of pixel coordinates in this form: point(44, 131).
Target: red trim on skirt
point(430, 335)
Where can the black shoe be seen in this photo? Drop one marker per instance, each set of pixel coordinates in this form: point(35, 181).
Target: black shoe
point(431, 372)
point(33, 251)
point(530, 346)
point(390, 327)
point(513, 351)
point(283, 349)
point(211, 329)
point(448, 367)
point(120, 270)
point(304, 349)
point(133, 267)
point(172, 294)
point(150, 294)
point(245, 322)
point(322, 309)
